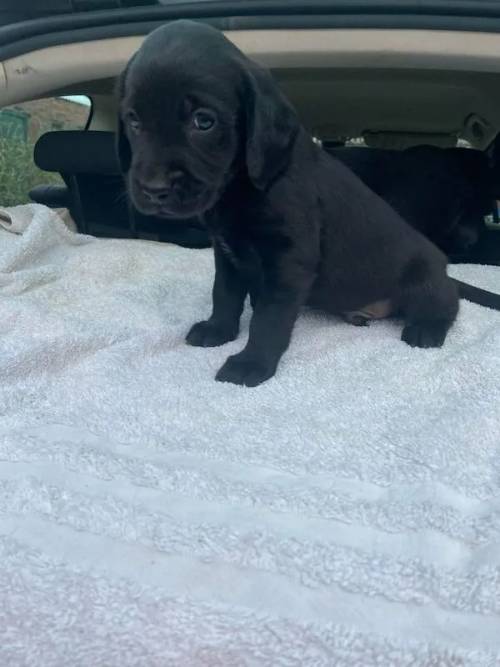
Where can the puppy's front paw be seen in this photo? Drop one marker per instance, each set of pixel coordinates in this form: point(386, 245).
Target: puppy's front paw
point(207, 334)
point(240, 369)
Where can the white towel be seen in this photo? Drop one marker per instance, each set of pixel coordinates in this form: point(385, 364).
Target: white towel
point(347, 512)
point(17, 218)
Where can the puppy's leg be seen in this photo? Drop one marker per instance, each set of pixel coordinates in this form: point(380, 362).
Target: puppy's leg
point(429, 310)
point(228, 296)
point(271, 328)
point(270, 332)
point(254, 295)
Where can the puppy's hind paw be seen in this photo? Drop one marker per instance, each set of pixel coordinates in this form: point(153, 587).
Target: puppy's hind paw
point(425, 334)
point(208, 334)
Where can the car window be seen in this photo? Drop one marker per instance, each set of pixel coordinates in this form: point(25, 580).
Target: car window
point(21, 126)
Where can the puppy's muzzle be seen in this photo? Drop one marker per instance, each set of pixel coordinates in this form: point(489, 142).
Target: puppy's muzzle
point(158, 192)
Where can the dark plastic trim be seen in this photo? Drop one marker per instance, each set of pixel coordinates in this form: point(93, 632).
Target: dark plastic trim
point(91, 113)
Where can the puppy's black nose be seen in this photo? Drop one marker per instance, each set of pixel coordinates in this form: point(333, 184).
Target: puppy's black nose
point(159, 190)
point(156, 195)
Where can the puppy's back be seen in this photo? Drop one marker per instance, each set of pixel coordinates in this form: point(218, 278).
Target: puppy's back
point(366, 246)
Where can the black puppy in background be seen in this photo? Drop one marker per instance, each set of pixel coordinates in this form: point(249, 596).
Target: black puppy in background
point(204, 130)
point(445, 193)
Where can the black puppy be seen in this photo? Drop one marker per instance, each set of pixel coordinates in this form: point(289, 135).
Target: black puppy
point(204, 130)
point(445, 193)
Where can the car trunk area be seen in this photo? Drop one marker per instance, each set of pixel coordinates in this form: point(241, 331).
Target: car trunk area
point(346, 510)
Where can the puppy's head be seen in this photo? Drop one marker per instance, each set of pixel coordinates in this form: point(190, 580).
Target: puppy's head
point(194, 113)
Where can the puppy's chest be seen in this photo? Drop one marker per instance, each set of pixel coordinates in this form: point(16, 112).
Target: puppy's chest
point(241, 252)
point(228, 251)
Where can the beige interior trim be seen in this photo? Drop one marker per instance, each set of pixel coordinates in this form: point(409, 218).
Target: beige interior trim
point(40, 72)
point(104, 116)
point(37, 73)
point(3, 79)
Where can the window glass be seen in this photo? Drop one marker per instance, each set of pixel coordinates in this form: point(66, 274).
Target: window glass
point(21, 125)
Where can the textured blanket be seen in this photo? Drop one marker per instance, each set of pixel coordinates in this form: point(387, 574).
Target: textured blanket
point(345, 513)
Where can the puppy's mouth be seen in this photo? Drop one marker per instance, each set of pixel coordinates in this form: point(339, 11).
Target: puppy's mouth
point(177, 205)
point(187, 209)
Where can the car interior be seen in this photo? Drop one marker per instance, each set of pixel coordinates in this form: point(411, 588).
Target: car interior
point(347, 511)
point(384, 89)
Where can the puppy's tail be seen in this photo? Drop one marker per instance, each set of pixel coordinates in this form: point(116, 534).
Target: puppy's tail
point(477, 295)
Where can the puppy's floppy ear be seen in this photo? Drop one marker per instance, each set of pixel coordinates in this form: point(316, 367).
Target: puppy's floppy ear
point(123, 150)
point(271, 127)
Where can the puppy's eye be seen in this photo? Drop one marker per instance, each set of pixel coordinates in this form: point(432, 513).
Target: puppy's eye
point(134, 123)
point(203, 121)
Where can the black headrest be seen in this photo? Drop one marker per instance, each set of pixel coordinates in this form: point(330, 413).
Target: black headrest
point(77, 152)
